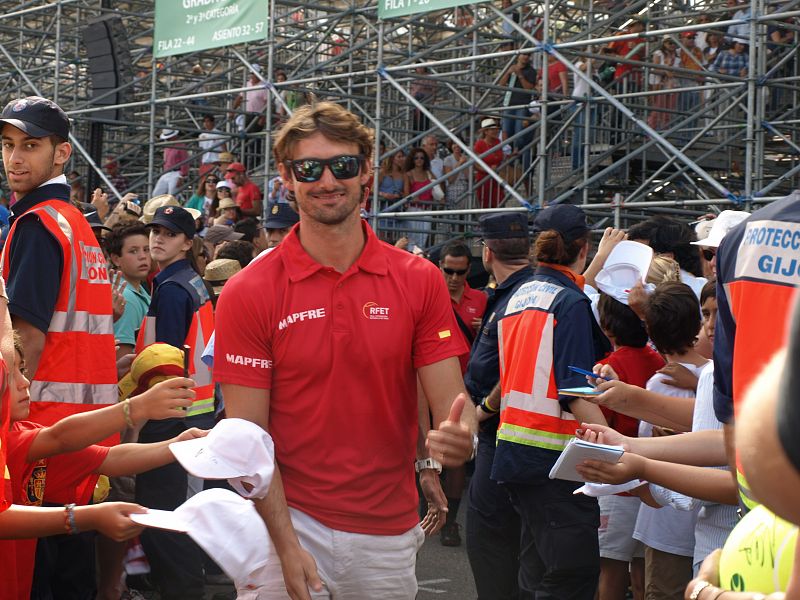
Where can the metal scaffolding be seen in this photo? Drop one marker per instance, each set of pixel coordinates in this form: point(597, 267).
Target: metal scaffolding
point(631, 147)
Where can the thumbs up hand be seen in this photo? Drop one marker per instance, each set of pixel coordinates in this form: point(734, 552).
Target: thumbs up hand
point(451, 442)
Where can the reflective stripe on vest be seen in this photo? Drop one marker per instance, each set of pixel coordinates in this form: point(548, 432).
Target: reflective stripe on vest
point(200, 330)
point(530, 413)
point(78, 361)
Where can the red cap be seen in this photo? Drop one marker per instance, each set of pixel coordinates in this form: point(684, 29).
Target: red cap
point(688, 34)
point(237, 166)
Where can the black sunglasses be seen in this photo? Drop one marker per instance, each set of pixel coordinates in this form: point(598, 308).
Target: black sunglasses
point(450, 271)
point(709, 254)
point(344, 166)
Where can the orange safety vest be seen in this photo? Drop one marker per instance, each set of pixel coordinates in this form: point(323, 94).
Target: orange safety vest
point(78, 363)
point(197, 338)
point(534, 352)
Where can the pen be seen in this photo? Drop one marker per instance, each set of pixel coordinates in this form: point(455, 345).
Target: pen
point(588, 373)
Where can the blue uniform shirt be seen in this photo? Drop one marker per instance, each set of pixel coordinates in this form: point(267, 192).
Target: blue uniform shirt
point(483, 369)
point(35, 260)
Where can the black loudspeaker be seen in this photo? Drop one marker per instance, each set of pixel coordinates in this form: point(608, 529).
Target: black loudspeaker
point(110, 67)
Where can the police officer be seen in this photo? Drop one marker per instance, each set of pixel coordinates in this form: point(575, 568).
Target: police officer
point(492, 524)
point(281, 217)
point(180, 314)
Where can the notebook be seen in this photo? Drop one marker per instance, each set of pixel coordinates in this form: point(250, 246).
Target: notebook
point(581, 392)
point(578, 451)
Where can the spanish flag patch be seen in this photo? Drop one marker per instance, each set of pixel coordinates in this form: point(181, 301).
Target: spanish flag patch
point(444, 334)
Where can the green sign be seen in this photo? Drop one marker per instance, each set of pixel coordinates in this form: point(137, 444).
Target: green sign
point(388, 9)
point(190, 25)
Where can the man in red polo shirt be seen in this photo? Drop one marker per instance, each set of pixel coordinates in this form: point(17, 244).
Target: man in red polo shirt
point(468, 308)
point(321, 343)
point(248, 195)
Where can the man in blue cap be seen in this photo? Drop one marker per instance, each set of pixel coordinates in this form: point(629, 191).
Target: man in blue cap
point(281, 217)
point(492, 524)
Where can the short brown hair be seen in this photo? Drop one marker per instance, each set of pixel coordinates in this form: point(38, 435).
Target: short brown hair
point(672, 317)
point(327, 118)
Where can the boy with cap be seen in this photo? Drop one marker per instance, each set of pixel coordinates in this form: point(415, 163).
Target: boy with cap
point(60, 306)
point(492, 525)
point(46, 287)
point(180, 314)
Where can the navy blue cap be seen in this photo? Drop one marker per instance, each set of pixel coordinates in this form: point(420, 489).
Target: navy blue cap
point(280, 215)
point(175, 218)
point(566, 219)
point(36, 116)
point(502, 226)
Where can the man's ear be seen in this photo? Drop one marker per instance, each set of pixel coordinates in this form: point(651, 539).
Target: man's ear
point(62, 153)
point(366, 172)
point(286, 177)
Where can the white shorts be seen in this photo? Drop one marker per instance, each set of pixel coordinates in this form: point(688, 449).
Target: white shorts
point(352, 566)
point(617, 522)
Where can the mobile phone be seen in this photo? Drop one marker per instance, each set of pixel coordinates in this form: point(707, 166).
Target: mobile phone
point(587, 373)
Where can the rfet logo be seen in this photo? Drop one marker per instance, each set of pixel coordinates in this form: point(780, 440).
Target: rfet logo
point(372, 311)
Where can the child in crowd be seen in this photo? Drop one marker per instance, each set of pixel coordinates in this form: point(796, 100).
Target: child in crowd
point(128, 247)
point(717, 514)
point(672, 317)
point(57, 465)
point(635, 363)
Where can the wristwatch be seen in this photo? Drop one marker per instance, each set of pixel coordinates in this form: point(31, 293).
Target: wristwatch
point(698, 587)
point(474, 446)
point(427, 463)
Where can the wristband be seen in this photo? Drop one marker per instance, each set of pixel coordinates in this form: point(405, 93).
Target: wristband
point(126, 411)
point(487, 408)
point(69, 519)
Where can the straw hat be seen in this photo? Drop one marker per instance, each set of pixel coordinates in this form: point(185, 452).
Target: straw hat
point(219, 271)
point(227, 203)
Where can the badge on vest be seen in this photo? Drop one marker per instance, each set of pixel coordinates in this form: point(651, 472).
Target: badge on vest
point(769, 251)
point(533, 294)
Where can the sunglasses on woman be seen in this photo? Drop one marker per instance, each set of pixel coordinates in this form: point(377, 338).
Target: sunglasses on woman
point(309, 170)
point(709, 254)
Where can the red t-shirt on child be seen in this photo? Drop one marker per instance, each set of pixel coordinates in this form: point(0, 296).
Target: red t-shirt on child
point(634, 366)
point(60, 479)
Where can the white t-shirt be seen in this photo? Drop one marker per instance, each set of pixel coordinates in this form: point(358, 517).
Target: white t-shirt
point(212, 143)
point(580, 86)
point(696, 283)
point(168, 183)
point(666, 529)
point(714, 521)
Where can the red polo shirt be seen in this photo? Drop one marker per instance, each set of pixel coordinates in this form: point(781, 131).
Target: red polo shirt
point(339, 353)
point(471, 307)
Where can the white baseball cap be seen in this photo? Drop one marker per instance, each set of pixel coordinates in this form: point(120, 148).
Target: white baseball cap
point(627, 264)
point(725, 221)
point(226, 526)
point(236, 450)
